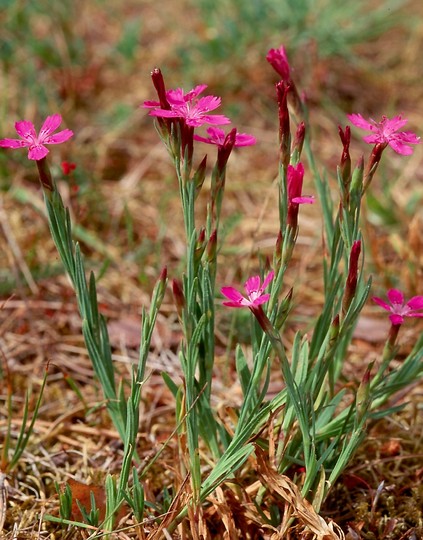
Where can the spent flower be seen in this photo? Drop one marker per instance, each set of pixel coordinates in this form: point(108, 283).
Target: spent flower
point(386, 132)
point(400, 309)
point(35, 143)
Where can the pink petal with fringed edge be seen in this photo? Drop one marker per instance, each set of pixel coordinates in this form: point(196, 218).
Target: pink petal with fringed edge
point(416, 302)
point(373, 139)
point(243, 139)
point(200, 120)
point(59, 137)
point(381, 303)
point(303, 200)
point(395, 123)
point(147, 104)
point(26, 130)
point(395, 296)
point(360, 122)
point(252, 284)
point(232, 294)
point(51, 123)
point(260, 300)
point(400, 148)
point(396, 319)
point(37, 152)
point(268, 279)
point(13, 143)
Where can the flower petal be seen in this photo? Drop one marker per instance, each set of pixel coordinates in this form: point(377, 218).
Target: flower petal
point(207, 140)
point(165, 113)
point(232, 294)
point(395, 296)
point(268, 279)
point(303, 200)
point(208, 103)
point(59, 137)
point(409, 137)
point(149, 103)
point(373, 139)
point(416, 302)
point(243, 139)
point(400, 148)
point(396, 319)
point(252, 284)
point(360, 122)
point(261, 299)
point(26, 130)
point(395, 123)
point(37, 152)
point(197, 121)
point(51, 123)
point(13, 143)
point(381, 303)
point(234, 304)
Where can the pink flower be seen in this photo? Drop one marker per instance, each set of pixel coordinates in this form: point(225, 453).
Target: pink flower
point(295, 176)
point(217, 136)
point(398, 308)
point(26, 131)
point(192, 109)
point(278, 59)
point(386, 132)
point(255, 293)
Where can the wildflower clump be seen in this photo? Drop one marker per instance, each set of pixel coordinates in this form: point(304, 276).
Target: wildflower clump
point(304, 433)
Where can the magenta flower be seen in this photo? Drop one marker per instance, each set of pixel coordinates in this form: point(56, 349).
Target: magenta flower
point(29, 137)
point(399, 308)
point(387, 132)
point(278, 59)
point(295, 176)
point(255, 293)
point(192, 109)
point(217, 136)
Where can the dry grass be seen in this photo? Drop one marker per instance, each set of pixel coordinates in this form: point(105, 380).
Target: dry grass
point(125, 172)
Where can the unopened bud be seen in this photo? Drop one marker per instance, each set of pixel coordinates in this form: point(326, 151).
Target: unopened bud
point(345, 164)
point(282, 90)
point(351, 283)
point(283, 310)
point(178, 296)
point(356, 190)
point(362, 399)
point(200, 175)
point(45, 174)
point(224, 151)
point(298, 143)
point(373, 164)
point(159, 85)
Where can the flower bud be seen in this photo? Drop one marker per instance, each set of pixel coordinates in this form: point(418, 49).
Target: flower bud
point(178, 296)
point(351, 283)
point(282, 90)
